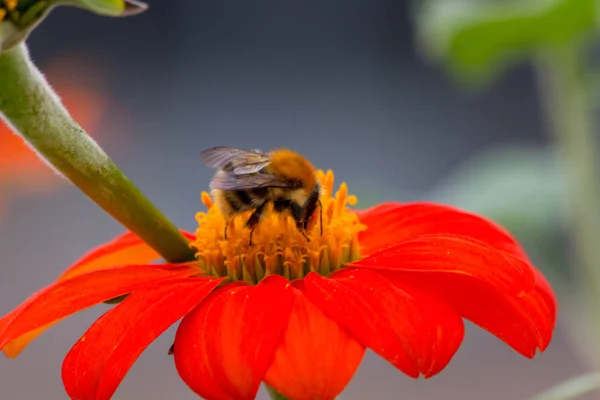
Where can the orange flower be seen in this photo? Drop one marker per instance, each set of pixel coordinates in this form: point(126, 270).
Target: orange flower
point(298, 315)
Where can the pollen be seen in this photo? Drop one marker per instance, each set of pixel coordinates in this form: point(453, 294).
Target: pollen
point(278, 246)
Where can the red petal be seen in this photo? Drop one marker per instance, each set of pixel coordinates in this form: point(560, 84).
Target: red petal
point(546, 298)
point(66, 297)
point(416, 332)
point(316, 357)
point(16, 346)
point(497, 291)
point(99, 361)
point(389, 223)
point(521, 322)
point(126, 249)
point(453, 254)
point(224, 346)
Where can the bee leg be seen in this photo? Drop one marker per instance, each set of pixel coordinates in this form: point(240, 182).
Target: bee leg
point(281, 205)
point(228, 221)
point(298, 215)
point(320, 215)
point(305, 237)
point(252, 222)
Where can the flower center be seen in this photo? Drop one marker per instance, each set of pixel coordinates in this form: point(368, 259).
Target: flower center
point(278, 247)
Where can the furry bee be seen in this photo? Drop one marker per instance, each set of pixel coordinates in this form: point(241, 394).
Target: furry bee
point(249, 180)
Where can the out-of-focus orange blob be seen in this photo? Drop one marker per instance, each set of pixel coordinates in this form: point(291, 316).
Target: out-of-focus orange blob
point(79, 85)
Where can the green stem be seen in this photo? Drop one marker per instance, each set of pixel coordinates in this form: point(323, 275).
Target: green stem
point(274, 394)
point(571, 389)
point(567, 110)
point(28, 103)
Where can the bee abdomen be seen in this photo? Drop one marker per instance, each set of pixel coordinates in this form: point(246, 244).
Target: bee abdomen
point(242, 200)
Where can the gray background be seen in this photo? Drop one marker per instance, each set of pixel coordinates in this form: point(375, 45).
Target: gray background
point(340, 82)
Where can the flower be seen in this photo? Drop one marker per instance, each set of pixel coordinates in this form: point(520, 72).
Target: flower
point(395, 278)
point(21, 170)
point(19, 17)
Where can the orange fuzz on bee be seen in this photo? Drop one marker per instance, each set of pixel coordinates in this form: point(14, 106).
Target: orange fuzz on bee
point(248, 180)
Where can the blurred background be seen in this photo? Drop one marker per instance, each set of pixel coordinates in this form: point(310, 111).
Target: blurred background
point(344, 83)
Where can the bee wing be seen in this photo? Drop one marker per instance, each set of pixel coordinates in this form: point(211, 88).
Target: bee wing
point(229, 181)
point(249, 168)
point(238, 161)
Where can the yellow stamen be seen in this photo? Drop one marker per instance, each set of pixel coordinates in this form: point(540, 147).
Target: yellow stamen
point(11, 4)
point(278, 247)
point(2, 14)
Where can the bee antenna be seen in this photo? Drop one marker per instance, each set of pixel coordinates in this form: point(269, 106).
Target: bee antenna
point(320, 215)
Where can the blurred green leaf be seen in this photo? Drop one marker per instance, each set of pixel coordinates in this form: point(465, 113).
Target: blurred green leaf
point(477, 38)
point(114, 8)
point(521, 188)
point(520, 185)
point(102, 7)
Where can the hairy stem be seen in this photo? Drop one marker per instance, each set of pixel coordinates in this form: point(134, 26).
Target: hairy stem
point(569, 119)
point(30, 106)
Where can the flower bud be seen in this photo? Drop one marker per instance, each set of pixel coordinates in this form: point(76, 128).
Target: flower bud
point(19, 17)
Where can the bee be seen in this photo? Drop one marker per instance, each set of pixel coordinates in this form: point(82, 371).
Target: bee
point(249, 180)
